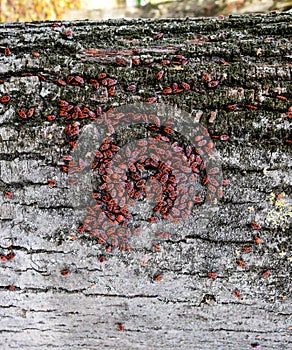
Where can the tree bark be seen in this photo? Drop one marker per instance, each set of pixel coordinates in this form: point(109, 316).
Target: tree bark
point(55, 289)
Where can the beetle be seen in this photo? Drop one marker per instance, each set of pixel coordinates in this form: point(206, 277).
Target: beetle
point(231, 107)
point(68, 34)
point(75, 80)
point(121, 327)
point(251, 107)
point(60, 82)
point(22, 114)
point(8, 194)
point(136, 61)
point(282, 98)
point(160, 75)
point(5, 99)
point(237, 293)
point(167, 90)
point(255, 226)
point(212, 274)
point(241, 263)
point(111, 91)
point(266, 273)
point(30, 112)
point(132, 87)
point(7, 51)
point(158, 277)
point(65, 272)
point(224, 137)
point(52, 183)
point(213, 84)
point(101, 76)
point(185, 86)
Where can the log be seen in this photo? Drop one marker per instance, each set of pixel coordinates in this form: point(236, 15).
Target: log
point(215, 278)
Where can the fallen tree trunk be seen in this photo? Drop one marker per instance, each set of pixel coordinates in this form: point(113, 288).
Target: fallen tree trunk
point(221, 278)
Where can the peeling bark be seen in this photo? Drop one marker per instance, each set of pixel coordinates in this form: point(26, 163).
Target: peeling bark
point(84, 307)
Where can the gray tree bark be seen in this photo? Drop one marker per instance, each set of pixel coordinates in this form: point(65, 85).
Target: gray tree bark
point(55, 289)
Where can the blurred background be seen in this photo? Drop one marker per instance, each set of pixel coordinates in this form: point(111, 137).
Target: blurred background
point(32, 10)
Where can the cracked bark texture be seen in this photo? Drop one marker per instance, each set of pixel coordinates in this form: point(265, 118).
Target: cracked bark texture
point(40, 307)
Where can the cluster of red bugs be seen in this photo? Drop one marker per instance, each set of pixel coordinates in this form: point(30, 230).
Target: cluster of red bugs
point(101, 80)
point(176, 88)
point(110, 221)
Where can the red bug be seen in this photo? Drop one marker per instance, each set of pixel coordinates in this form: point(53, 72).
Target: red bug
point(257, 239)
point(63, 103)
point(205, 180)
point(246, 249)
point(111, 91)
point(136, 61)
point(64, 168)
point(167, 91)
point(22, 114)
point(167, 130)
point(224, 137)
point(153, 219)
point(12, 288)
point(158, 277)
point(251, 107)
point(7, 51)
point(10, 256)
point(159, 75)
point(101, 258)
point(237, 293)
point(223, 62)
point(52, 183)
point(75, 80)
point(266, 273)
point(185, 86)
point(65, 272)
point(241, 263)
point(156, 247)
point(60, 82)
point(51, 117)
point(101, 76)
point(231, 107)
point(5, 99)
point(151, 99)
point(159, 35)
point(213, 84)
point(121, 327)
point(30, 112)
point(225, 182)
point(68, 34)
point(132, 87)
point(255, 226)
point(81, 229)
point(3, 258)
point(35, 54)
point(109, 82)
point(8, 194)
point(282, 98)
point(207, 77)
point(212, 274)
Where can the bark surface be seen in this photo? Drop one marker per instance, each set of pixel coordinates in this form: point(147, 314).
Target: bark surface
point(118, 303)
